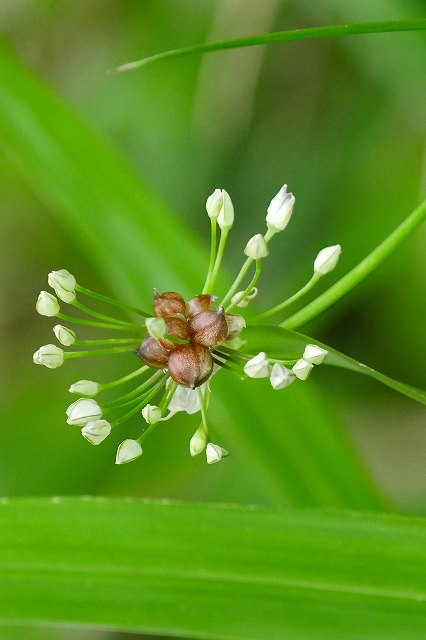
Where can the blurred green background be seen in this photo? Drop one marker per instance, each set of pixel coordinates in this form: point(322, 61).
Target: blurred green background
point(341, 121)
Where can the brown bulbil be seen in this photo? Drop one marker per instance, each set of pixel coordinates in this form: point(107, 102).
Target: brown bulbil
point(209, 328)
point(190, 365)
point(168, 303)
point(203, 302)
point(153, 353)
point(177, 327)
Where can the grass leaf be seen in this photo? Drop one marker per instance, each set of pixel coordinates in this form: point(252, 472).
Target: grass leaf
point(205, 571)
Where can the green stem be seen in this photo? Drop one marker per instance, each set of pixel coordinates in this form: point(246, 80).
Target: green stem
point(282, 36)
point(163, 406)
point(97, 352)
point(246, 292)
point(218, 261)
point(129, 376)
point(204, 402)
point(146, 397)
point(308, 286)
point(93, 343)
point(237, 281)
point(135, 392)
point(212, 254)
point(101, 316)
point(91, 323)
point(358, 273)
point(108, 300)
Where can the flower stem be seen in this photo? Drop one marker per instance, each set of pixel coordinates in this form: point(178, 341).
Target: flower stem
point(212, 254)
point(93, 343)
point(218, 261)
point(163, 406)
point(250, 287)
point(145, 398)
point(97, 352)
point(238, 279)
point(129, 376)
point(108, 300)
point(308, 286)
point(101, 316)
point(135, 392)
point(91, 323)
point(358, 273)
point(204, 402)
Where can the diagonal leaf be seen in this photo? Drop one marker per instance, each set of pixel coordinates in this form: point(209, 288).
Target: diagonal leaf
point(285, 344)
point(136, 243)
point(281, 36)
point(207, 571)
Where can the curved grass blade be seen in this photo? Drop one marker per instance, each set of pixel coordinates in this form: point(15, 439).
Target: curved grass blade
point(358, 273)
point(281, 36)
point(212, 571)
point(282, 343)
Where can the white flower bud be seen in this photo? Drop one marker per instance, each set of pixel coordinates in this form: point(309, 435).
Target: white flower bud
point(225, 218)
point(281, 377)
point(64, 284)
point(214, 204)
point(244, 303)
point(47, 305)
point(85, 388)
point(235, 324)
point(327, 259)
point(215, 453)
point(49, 355)
point(257, 367)
point(151, 413)
point(314, 354)
point(302, 369)
point(280, 210)
point(156, 327)
point(96, 431)
point(64, 335)
point(198, 442)
point(82, 411)
point(127, 451)
point(256, 247)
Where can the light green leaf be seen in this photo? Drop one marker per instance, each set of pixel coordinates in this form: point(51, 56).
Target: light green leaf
point(281, 36)
point(285, 344)
point(211, 571)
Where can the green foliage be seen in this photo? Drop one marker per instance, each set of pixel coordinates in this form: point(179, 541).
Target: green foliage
point(209, 571)
point(342, 122)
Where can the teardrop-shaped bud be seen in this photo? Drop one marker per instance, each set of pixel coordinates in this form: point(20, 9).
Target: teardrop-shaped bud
point(209, 328)
point(168, 303)
point(235, 323)
point(153, 354)
point(203, 302)
point(176, 327)
point(190, 365)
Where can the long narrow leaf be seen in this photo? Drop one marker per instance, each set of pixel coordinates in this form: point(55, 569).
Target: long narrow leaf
point(206, 571)
point(281, 36)
point(285, 344)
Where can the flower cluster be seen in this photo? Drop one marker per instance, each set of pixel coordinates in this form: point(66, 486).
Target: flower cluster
point(181, 344)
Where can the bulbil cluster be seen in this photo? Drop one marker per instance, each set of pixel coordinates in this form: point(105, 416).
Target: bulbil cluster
point(193, 331)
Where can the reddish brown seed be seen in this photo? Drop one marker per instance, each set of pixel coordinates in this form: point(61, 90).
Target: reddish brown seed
point(168, 303)
point(235, 323)
point(190, 365)
point(177, 327)
point(153, 353)
point(209, 328)
point(203, 302)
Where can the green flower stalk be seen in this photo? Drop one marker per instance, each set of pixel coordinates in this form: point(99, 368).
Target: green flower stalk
point(181, 343)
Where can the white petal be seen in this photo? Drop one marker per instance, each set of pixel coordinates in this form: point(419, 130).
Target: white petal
point(315, 354)
point(215, 453)
point(127, 451)
point(302, 369)
point(281, 377)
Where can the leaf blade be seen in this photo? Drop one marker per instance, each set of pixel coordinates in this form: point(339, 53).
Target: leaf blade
point(175, 568)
